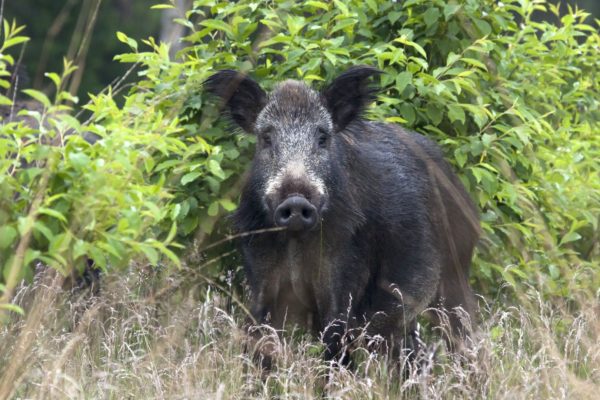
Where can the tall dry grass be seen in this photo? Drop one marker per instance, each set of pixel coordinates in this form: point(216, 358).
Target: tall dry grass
point(148, 336)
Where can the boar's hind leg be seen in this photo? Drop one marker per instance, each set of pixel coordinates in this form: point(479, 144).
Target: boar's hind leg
point(454, 310)
point(455, 303)
point(403, 291)
point(458, 219)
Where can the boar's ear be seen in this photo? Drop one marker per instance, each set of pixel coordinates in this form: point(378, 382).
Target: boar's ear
point(241, 95)
point(349, 94)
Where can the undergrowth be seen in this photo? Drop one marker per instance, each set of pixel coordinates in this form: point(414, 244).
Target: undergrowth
point(166, 335)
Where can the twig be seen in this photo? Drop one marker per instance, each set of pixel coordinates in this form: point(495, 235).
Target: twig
point(16, 68)
point(83, 49)
point(228, 293)
point(14, 99)
point(117, 82)
point(229, 238)
point(1, 17)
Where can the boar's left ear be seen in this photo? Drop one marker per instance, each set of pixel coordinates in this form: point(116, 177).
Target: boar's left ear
point(349, 94)
point(243, 96)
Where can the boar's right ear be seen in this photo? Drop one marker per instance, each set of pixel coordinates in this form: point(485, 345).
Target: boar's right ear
point(349, 94)
point(243, 96)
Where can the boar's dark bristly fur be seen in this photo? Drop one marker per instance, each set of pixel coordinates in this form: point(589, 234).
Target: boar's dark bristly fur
point(378, 227)
point(244, 97)
point(350, 93)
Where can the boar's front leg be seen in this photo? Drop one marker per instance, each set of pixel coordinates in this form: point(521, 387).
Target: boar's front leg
point(262, 338)
point(341, 287)
point(335, 338)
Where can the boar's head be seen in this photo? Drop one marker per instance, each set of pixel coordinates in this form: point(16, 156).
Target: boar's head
point(299, 160)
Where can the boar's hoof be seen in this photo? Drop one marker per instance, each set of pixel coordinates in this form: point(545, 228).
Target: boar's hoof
point(296, 213)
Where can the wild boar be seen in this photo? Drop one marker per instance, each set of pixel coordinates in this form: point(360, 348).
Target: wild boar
point(377, 226)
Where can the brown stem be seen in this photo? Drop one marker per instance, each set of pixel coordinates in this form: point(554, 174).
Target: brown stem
point(53, 31)
point(83, 49)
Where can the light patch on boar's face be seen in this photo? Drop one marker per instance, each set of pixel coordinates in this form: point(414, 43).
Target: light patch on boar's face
point(294, 132)
point(295, 171)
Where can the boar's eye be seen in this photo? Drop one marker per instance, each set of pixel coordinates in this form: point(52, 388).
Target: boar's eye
point(323, 137)
point(265, 137)
point(267, 140)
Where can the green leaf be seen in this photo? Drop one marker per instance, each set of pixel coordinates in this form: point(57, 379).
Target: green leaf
point(570, 237)
point(554, 271)
point(228, 204)
point(60, 243)
point(5, 101)
point(99, 257)
point(414, 45)
point(190, 177)
point(12, 307)
point(483, 26)
point(43, 229)
point(342, 7)
point(403, 79)
point(79, 160)
point(7, 236)
point(452, 58)
point(487, 139)
point(217, 25)
point(295, 24)
point(80, 248)
point(372, 5)
point(456, 113)
point(408, 112)
point(162, 6)
point(213, 209)
point(434, 113)
point(450, 9)
point(460, 157)
point(215, 168)
point(317, 4)
point(15, 41)
point(30, 256)
point(394, 16)
point(311, 65)
point(54, 77)
point(474, 62)
point(343, 24)
point(52, 213)
point(127, 40)
point(170, 255)
point(431, 16)
point(172, 232)
point(39, 96)
point(150, 253)
point(232, 154)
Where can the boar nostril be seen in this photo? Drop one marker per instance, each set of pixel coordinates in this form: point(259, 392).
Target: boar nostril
point(296, 213)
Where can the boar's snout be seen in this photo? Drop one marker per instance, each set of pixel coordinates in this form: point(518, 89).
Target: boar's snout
point(296, 213)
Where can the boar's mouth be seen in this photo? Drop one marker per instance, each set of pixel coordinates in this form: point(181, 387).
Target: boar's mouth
point(296, 213)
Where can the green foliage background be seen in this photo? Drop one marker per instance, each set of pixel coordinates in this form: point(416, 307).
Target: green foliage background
point(56, 29)
point(513, 102)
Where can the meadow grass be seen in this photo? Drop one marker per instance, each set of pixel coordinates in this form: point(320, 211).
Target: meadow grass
point(148, 336)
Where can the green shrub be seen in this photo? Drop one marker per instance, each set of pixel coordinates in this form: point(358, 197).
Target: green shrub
point(514, 104)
